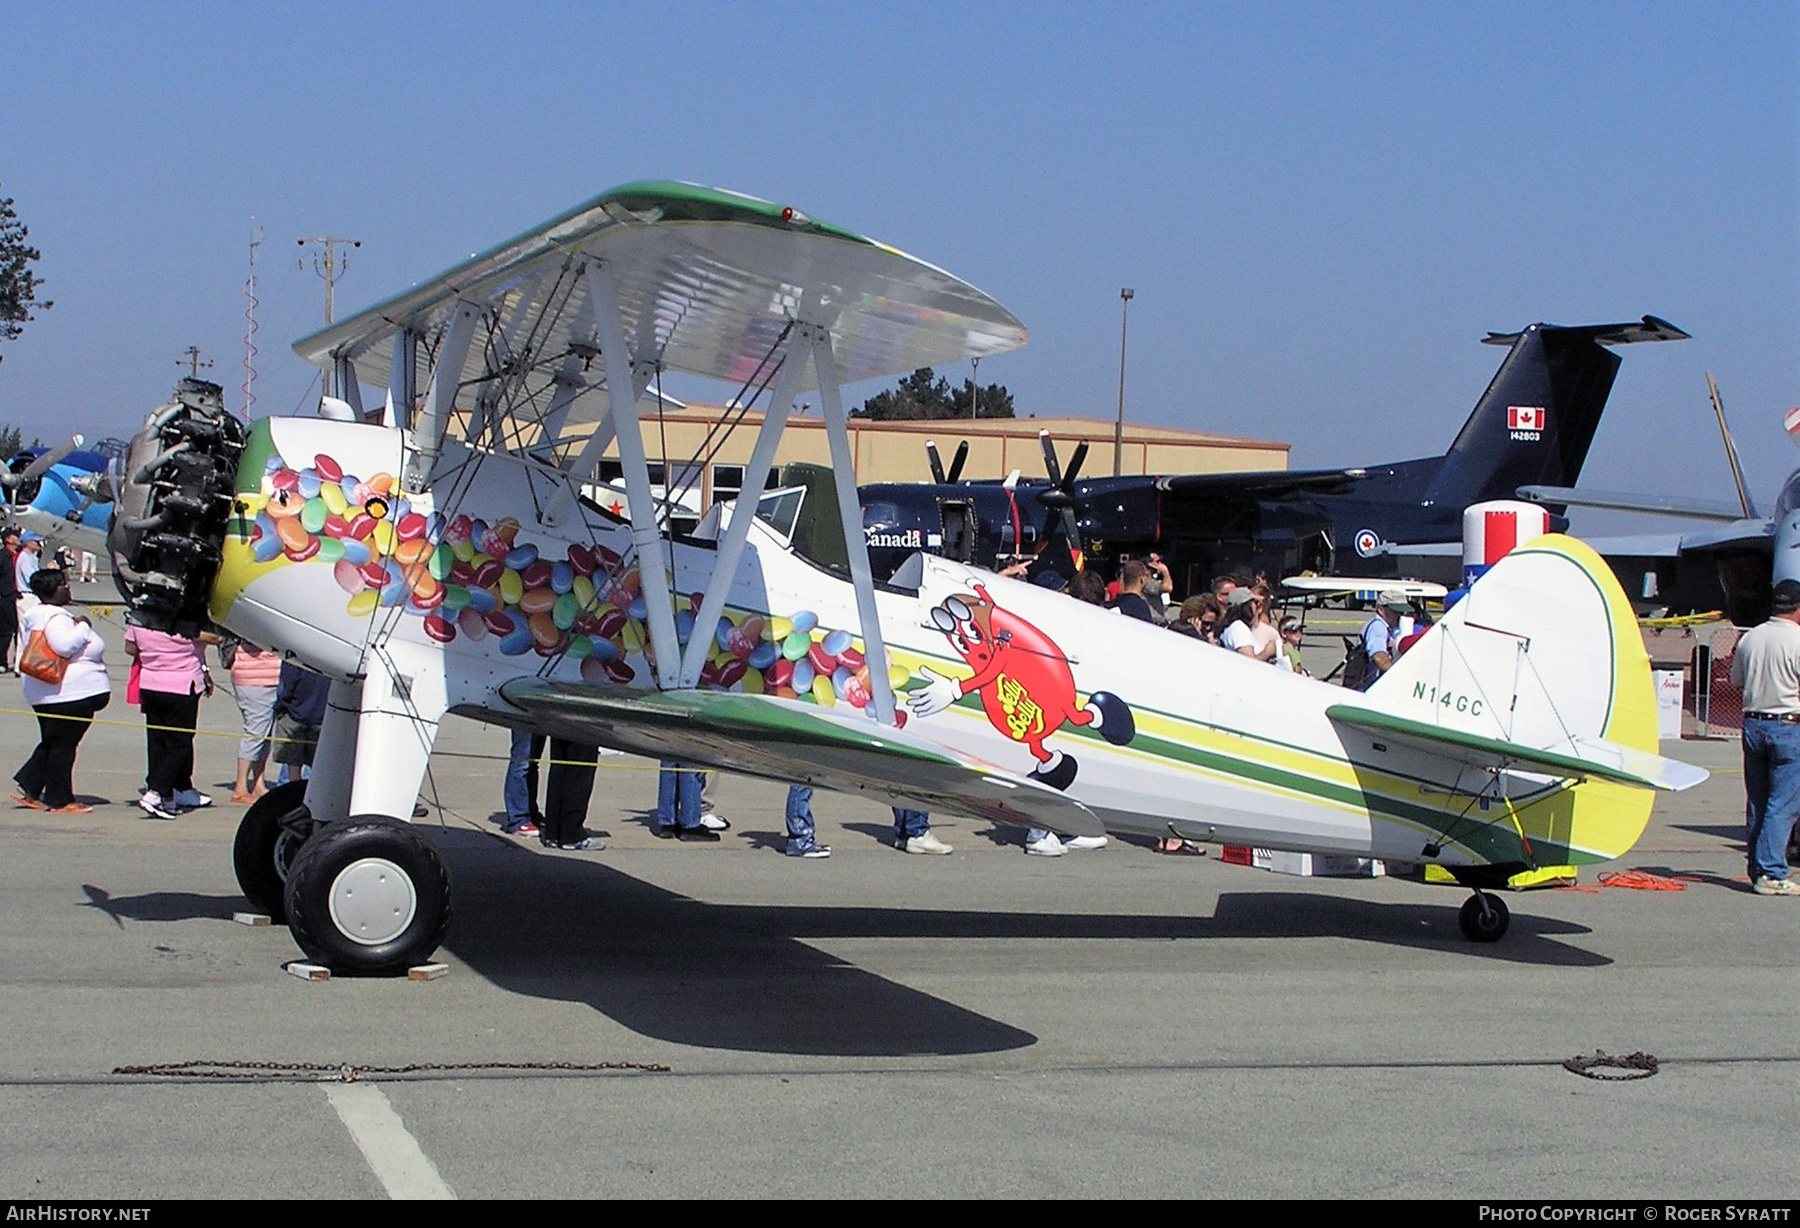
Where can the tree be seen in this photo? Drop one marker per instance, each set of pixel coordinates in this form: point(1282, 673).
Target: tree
point(12, 442)
point(926, 395)
point(18, 285)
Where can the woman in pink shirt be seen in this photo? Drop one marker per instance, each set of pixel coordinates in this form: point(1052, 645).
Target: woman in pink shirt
point(171, 679)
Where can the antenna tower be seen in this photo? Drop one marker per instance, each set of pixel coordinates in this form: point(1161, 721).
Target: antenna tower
point(249, 385)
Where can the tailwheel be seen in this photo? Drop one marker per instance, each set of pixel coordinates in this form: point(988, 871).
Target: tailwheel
point(368, 896)
point(268, 839)
point(1484, 918)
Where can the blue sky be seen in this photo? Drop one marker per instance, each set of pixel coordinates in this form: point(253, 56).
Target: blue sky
point(1321, 207)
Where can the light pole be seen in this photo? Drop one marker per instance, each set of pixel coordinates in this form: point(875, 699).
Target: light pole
point(1119, 429)
point(974, 387)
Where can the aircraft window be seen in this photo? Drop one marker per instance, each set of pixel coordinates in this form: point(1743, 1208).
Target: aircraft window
point(876, 515)
point(780, 510)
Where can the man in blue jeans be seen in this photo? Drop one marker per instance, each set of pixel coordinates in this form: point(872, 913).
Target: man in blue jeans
point(520, 791)
point(678, 805)
point(802, 840)
point(1766, 666)
point(912, 833)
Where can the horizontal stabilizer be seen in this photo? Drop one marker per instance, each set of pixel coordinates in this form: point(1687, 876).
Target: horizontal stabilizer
point(781, 740)
point(1593, 758)
point(1650, 328)
point(1663, 505)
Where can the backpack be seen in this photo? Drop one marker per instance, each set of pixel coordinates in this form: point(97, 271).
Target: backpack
point(1356, 663)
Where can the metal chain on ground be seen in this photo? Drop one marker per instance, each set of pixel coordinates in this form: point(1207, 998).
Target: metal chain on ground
point(1638, 1065)
point(346, 1072)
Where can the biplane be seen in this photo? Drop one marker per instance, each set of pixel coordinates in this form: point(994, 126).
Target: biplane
point(435, 556)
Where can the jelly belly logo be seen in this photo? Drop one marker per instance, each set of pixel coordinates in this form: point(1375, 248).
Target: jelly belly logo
point(1525, 423)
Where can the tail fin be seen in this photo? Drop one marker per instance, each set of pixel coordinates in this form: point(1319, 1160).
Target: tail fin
point(1537, 418)
point(1544, 653)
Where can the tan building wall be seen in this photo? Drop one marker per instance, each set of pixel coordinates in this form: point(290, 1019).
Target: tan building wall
point(895, 451)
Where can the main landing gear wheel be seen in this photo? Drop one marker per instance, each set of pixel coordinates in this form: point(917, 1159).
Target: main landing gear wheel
point(268, 839)
point(1484, 918)
point(368, 896)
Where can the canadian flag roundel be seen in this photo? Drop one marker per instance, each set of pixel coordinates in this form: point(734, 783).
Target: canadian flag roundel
point(1524, 417)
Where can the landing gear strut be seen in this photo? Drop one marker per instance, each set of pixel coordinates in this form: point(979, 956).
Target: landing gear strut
point(1483, 918)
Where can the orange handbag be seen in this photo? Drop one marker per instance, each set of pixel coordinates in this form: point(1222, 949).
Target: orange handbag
point(41, 661)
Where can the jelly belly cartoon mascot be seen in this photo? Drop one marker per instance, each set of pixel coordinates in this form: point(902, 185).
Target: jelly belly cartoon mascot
point(1024, 682)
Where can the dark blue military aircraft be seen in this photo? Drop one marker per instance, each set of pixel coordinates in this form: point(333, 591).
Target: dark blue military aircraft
point(1533, 425)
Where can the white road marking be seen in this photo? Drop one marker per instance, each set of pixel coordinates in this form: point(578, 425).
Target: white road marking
point(402, 1167)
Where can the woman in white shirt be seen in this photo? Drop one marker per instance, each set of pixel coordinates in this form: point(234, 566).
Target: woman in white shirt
point(65, 709)
point(1238, 632)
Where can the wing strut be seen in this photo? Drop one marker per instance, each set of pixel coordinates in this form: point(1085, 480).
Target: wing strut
point(743, 511)
point(856, 542)
point(402, 380)
point(621, 373)
point(446, 372)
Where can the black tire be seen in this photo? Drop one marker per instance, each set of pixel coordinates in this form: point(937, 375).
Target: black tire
point(269, 838)
point(391, 893)
point(1484, 918)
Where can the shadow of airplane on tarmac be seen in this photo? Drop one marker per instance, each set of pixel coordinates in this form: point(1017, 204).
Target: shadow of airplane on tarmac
point(747, 977)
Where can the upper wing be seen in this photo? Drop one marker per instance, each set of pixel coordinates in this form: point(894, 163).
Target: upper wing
point(706, 280)
point(780, 740)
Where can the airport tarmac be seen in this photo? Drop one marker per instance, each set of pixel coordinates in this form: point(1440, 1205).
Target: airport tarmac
point(1106, 1024)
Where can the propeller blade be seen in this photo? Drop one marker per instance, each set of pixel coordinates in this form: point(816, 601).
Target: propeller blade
point(1052, 467)
point(937, 463)
point(40, 466)
point(1074, 469)
point(956, 462)
point(1062, 497)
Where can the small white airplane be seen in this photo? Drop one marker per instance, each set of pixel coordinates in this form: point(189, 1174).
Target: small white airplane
point(444, 561)
point(1360, 588)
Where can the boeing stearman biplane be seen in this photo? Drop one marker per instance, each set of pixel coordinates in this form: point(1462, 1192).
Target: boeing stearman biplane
point(443, 559)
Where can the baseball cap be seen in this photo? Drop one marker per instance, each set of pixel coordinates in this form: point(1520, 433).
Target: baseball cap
point(1787, 596)
point(1240, 596)
point(1394, 599)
